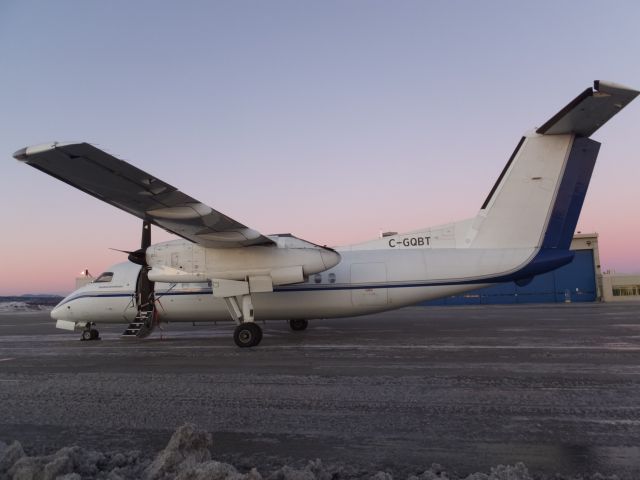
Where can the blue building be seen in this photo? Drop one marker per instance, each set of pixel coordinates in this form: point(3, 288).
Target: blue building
point(578, 281)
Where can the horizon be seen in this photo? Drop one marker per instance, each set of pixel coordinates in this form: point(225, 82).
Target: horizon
point(333, 121)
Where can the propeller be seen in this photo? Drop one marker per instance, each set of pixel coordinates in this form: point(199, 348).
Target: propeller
point(139, 257)
point(144, 287)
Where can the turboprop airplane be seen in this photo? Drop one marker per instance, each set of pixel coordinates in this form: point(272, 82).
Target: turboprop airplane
point(221, 269)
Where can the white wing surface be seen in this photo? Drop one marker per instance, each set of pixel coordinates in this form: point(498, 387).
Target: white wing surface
point(124, 186)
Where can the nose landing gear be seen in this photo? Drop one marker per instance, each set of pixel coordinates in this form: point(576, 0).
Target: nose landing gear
point(90, 333)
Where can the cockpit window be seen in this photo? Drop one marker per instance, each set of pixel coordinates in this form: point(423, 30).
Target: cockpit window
point(104, 277)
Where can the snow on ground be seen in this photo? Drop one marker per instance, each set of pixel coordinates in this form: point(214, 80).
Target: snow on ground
point(19, 307)
point(187, 456)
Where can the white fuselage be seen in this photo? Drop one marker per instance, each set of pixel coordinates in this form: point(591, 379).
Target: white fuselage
point(380, 275)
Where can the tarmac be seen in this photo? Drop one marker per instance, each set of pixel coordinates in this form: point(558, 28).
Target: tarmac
point(556, 387)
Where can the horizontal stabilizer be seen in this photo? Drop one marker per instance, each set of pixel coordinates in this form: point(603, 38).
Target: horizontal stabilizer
point(589, 110)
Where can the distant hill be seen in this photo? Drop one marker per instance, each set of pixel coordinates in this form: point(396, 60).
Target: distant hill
point(39, 295)
point(34, 299)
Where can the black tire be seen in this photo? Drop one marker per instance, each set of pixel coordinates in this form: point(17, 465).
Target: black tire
point(247, 335)
point(298, 324)
point(87, 335)
point(95, 334)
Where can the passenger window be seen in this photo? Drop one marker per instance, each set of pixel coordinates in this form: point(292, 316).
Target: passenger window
point(104, 277)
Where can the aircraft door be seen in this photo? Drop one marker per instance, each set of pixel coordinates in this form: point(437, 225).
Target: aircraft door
point(175, 260)
point(371, 276)
point(198, 259)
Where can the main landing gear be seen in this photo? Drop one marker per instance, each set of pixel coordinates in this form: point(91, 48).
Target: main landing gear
point(90, 333)
point(298, 324)
point(238, 299)
point(247, 334)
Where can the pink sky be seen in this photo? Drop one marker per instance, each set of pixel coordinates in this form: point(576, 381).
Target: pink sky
point(329, 120)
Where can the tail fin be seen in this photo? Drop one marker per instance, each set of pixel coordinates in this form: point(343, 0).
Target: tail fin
point(538, 197)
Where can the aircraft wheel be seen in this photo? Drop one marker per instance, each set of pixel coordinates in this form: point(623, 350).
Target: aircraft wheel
point(298, 324)
point(87, 335)
point(247, 334)
point(95, 334)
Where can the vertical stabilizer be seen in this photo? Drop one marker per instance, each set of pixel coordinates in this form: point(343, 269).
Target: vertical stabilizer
point(516, 214)
point(536, 201)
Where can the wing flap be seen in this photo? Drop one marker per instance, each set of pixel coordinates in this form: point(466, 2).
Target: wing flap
point(590, 110)
point(135, 191)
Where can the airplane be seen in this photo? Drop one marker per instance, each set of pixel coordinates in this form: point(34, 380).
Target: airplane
point(219, 269)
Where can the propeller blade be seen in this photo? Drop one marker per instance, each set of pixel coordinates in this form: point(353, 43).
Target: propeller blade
point(121, 251)
point(145, 289)
point(146, 236)
point(139, 257)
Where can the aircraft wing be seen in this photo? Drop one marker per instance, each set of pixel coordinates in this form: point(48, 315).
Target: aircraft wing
point(589, 110)
point(124, 186)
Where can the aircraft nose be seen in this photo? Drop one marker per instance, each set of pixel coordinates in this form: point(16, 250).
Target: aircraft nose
point(61, 312)
point(330, 258)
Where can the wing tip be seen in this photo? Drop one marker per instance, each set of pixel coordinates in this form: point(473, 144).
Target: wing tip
point(24, 153)
point(21, 154)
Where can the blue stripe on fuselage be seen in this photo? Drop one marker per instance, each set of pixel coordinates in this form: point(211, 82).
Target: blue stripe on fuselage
point(544, 261)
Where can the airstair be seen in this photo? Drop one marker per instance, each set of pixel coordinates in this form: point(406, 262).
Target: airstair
point(141, 326)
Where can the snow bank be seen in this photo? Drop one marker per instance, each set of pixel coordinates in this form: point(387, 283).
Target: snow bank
point(187, 456)
point(17, 307)
point(69, 463)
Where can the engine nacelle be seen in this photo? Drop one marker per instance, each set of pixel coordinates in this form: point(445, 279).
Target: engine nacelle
point(289, 261)
point(164, 273)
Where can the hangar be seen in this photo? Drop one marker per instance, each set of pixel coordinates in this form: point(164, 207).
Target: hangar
point(578, 281)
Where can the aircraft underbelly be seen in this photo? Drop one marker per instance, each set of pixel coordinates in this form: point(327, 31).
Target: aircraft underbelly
point(300, 304)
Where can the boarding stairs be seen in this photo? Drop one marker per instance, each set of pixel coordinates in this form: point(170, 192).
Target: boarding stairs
point(141, 326)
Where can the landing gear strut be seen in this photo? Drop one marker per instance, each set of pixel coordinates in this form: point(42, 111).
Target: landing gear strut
point(247, 334)
point(298, 324)
point(90, 333)
point(237, 297)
